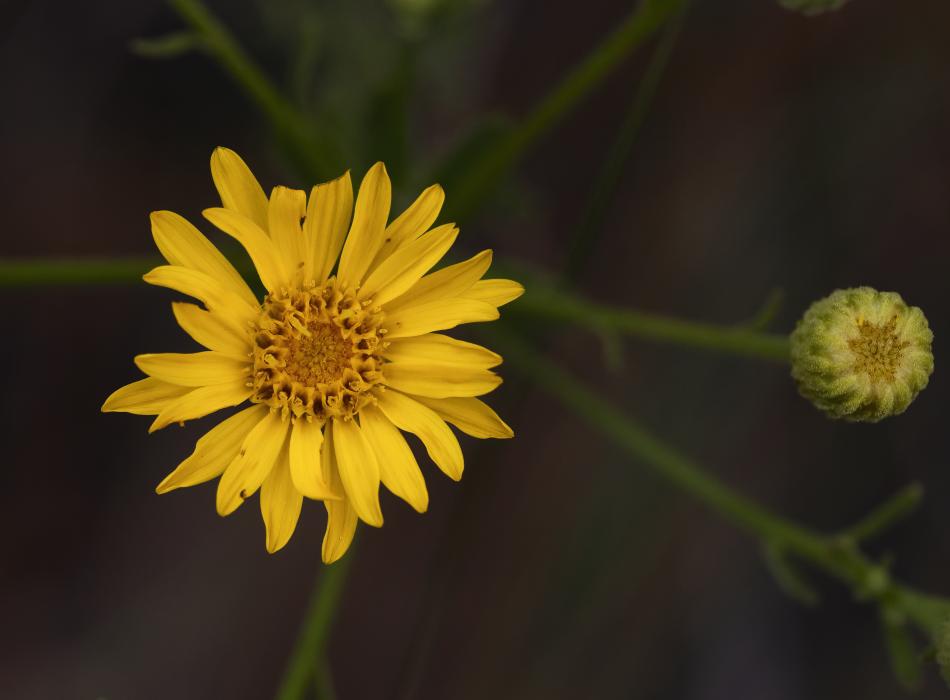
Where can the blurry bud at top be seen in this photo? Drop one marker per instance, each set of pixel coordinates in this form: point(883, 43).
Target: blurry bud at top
point(812, 7)
point(862, 355)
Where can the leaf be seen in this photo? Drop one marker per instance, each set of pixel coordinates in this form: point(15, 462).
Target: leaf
point(165, 47)
point(906, 657)
point(787, 576)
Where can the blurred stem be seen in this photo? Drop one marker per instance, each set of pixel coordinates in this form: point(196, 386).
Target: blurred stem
point(588, 232)
point(868, 579)
point(313, 156)
point(483, 176)
point(896, 508)
point(559, 305)
point(24, 273)
point(309, 654)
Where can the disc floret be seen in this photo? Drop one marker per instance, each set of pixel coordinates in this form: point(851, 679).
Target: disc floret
point(317, 352)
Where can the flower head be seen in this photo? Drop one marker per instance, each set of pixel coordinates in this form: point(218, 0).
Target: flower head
point(862, 355)
point(342, 354)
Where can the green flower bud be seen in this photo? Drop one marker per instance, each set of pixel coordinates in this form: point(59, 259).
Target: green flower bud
point(862, 355)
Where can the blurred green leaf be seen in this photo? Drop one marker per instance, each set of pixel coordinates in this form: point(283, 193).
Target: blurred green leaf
point(786, 574)
point(812, 7)
point(906, 657)
point(168, 46)
point(469, 148)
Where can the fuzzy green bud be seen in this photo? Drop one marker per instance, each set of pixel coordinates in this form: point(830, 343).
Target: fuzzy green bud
point(862, 355)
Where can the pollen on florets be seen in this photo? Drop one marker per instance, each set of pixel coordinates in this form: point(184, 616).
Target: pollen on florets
point(317, 352)
point(862, 355)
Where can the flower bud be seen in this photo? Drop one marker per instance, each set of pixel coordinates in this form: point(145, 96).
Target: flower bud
point(862, 355)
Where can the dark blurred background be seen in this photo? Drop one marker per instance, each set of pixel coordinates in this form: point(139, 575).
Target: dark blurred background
point(781, 151)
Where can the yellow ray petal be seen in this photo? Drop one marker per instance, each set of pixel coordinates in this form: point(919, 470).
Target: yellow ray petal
point(398, 469)
point(267, 259)
point(214, 451)
point(183, 245)
point(200, 402)
point(435, 347)
point(451, 281)
point(437, 316)
point(495, 292)
point(146, 397)
point(208, 290)
point(406, 266)
point(341, 517)
point(439, 380)
point(280, 504)
point(252, 464)
point(470, 415)
point(213, 330)
point(306, 442)
point(369, 224)
point(439, 440)
point(193, 369)
point(284, 212)
point(328, 218)
point(412, 223)
point(238, 187)
point(359, 471)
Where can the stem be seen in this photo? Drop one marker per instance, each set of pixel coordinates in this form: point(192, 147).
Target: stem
point(309, 651)
point(19, 273)
point(560, 305)
point(298, 137)
point(485, 173)
point(898, 506)
point(588, 232)
point(843, 562)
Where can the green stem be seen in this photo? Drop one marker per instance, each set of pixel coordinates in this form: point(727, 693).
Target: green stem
point(559, 305)
point(845, 563)
point(308, 655)
point(312, 155)
point(20, 273)
point(897, 507)
point(483, 176)
point(588, 232)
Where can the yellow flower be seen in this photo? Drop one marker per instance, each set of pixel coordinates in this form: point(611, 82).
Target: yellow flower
point(334, 365)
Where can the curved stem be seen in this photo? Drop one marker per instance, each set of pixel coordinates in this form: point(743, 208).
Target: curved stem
point(577, 84)
point(307, 658)
point(561, 305)
point(842, 561)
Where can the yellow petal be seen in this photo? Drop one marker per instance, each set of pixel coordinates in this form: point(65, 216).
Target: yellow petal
point(470, 415)
point(213, 330)
point(252, 464)
point(202, 401)
point(200, 286)
point(193, 369)
point(398, 468)
point(406, 266)
point(412, 223)
point(495, 292)
point(451, 281)
point(214, 451)
point(369, 225)
point(435, 347)
point(341, 518)
point(328, 218)
point(306, 442)
point(439, 440)
point(437, 316)
point(238, 187)
point(146, 397)
point(267, 259)
point(358, 470)
point(439, 380)
point(280, 504)
point(183, 245)
point(286, 209)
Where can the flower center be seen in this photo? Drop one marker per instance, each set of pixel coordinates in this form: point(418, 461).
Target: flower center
point(316, 352)
point(878, 350)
